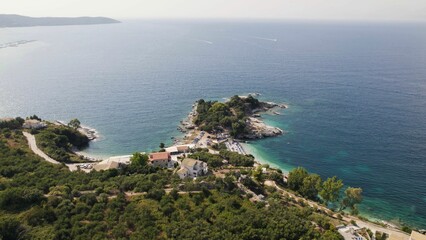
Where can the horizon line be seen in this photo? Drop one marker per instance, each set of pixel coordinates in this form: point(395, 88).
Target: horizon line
point(247, 19)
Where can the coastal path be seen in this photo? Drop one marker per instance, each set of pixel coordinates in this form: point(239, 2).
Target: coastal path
point(398, 234)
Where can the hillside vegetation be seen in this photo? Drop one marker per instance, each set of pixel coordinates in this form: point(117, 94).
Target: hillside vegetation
point(59, 141)
point(39, 200)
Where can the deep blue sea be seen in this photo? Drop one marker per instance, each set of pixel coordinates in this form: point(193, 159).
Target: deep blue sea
point(356, 92)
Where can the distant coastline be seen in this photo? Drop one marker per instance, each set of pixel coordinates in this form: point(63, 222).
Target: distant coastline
point(12, 20)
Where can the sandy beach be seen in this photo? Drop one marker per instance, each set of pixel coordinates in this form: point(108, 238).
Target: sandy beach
point(250, 149)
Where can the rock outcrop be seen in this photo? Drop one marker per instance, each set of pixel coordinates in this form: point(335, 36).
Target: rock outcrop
point(258, 129)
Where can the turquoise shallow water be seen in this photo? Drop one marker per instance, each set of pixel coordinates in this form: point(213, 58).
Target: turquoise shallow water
point(357, 92)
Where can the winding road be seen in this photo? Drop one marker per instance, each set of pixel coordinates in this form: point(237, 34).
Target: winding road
point(32, 143)
point(33, 146)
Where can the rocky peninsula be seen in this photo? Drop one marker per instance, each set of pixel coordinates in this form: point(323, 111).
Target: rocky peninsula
point(256, 127)
point(240, 117)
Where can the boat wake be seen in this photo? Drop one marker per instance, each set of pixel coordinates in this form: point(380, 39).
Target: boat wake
point(203, 41)
point(15, 44)
point(267, 39)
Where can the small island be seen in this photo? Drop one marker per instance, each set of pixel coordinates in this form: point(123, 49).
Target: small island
point(12, 20)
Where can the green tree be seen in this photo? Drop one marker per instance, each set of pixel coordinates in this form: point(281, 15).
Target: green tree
point(12, 124)
point(19, 197)
point(258, 174)
point(162, 145)
point(238, 128)
point(331, 235)
point(155, 194)
point(139, 159)
point(310, 186)
point(277, 177)
point(74, 123)
point(37, 216)
point(11, 229)
point(296, 177)
point(331, 189)
point(34, 117)
point(352, 197)
point(61, 191)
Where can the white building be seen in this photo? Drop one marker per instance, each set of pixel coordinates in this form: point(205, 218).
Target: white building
point(179, 149)
point(34, 124)
point(191, 168)
point(122, 159)
point(107, 164)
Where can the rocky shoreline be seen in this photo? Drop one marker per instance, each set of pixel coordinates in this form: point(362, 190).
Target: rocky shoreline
point(91, 133)
point(257, 127)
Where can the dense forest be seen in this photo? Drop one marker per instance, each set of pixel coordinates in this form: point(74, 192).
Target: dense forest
point(39, 200)
point(231, 115)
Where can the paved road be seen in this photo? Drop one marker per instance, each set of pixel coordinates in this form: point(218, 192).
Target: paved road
point(32, 143)
point(362, 224)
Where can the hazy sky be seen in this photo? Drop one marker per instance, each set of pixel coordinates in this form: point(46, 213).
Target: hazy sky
point(276, 9)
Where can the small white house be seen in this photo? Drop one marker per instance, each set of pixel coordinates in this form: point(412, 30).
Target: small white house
point(179, 149)
point(34, 124)
point(191, 168)
point(108, 164)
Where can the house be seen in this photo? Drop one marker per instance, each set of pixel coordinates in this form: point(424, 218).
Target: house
point(172, 150)
point(105, 165)
point(191, 168)
point(350, 232)
point(183, 173)
point(34, 124)
point(160, 159)
point(176, 150)
point(183, 148)
point(122, 159)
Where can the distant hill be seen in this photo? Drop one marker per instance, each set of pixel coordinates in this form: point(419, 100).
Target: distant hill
point(11, 20)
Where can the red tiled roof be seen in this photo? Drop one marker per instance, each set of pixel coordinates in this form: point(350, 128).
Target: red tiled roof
point(159, 156)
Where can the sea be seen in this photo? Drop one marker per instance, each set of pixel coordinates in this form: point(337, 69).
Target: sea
point(356, 92)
